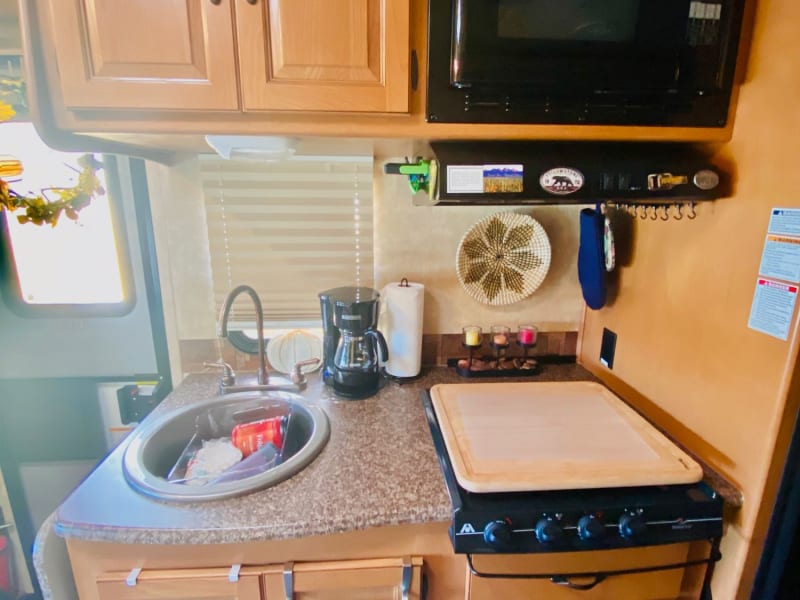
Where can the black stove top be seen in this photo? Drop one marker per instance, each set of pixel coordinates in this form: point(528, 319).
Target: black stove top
point(575, 520)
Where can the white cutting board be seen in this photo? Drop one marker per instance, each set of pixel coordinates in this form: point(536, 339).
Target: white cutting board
point(511, 437)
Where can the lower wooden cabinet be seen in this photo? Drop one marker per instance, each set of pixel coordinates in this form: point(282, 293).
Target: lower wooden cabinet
point(652, 585)
point(180, 584)
point(643, 586)
point(371, 579)
point(370, 564)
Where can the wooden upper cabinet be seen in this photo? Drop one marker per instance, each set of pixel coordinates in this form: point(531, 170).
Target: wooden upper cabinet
point(324, 55)
point(141, 54)
point(180, 584)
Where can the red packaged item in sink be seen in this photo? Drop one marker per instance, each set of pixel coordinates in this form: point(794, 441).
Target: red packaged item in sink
point(249, 437)
point(5, 562)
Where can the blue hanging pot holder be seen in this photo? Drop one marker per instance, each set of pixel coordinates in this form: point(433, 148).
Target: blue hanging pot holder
point(591, 258)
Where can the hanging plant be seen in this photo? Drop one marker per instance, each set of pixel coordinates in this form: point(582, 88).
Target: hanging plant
point(6, 111)
point(13, 94)
point(48, 206)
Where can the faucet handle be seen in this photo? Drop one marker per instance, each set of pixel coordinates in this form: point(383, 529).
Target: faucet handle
point(228, 376)
point(297, 375)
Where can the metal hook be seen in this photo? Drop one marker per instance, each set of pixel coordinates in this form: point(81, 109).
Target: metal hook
point(664, 212)
point(692, 214)
point(644, 211)
point(654, 216)
point(677, 208)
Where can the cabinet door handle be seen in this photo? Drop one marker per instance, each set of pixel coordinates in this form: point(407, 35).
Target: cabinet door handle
point(130, 580)
point(559, 580)
point(414, 70)
point(233, 574)
point(288, 574)
point(405, 583)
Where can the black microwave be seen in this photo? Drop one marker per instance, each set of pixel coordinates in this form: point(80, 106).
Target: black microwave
point(593, 62)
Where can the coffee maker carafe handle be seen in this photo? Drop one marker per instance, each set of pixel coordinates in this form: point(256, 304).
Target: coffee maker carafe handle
point(383, 348)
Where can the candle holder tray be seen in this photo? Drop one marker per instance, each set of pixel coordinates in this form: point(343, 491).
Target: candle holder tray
point(491, 366)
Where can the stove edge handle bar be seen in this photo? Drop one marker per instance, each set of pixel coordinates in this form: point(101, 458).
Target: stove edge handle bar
point(714, 556)
point(562, 580)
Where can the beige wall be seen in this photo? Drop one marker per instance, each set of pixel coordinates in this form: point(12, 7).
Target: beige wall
point(420, 243)
point(184, 264)
point(417, 242)
point(684, 350)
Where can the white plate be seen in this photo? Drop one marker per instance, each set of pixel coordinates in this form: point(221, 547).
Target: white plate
point(285, 351)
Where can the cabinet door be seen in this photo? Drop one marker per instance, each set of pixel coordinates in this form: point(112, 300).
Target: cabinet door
point(653, 585)
point(373, 579)
point(180, 584)
point(323, 55)
point(169, 54)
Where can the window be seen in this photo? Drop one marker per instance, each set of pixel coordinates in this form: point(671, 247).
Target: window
point(77, 267)
point(290, 229)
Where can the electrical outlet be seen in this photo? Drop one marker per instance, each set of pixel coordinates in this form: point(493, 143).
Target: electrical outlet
point(607, 348)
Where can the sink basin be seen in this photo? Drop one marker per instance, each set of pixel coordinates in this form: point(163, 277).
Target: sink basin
point(162, 447)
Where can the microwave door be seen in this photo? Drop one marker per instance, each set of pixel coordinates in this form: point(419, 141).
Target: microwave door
point(565, 45)
point(633, 62)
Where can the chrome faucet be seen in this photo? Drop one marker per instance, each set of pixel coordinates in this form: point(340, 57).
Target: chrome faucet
point(224, 315)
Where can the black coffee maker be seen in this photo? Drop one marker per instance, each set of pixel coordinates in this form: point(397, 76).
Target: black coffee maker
point(352, 348)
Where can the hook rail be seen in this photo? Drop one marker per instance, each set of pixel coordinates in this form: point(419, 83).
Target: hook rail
point(664, 211)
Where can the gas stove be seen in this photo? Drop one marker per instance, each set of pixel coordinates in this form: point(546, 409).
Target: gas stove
point(564, 520)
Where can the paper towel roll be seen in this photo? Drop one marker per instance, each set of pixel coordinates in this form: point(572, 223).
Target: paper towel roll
point(400, 322)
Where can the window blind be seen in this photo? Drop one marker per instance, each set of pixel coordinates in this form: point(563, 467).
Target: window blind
point(289, 229)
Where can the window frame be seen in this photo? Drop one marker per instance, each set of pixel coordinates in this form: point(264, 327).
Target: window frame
point(10, 289)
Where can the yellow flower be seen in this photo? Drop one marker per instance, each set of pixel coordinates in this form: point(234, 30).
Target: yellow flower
point(9, 166)
point(6, 112)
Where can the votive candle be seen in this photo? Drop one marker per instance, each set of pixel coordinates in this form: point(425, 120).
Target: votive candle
point(472, 335)
point(527, 335)
point(500, 335)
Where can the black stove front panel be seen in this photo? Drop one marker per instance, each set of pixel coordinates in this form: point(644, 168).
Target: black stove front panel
point(584, 520)
point(575, 520)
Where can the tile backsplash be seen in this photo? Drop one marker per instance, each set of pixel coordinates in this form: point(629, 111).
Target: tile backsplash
point(437, 349)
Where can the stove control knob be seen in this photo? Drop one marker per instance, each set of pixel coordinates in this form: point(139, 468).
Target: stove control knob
point(497, 533)
point(632, 525)
point(590, 528)
point(547, 531)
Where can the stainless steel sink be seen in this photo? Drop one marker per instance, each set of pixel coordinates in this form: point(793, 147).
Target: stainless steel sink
point(157, 447)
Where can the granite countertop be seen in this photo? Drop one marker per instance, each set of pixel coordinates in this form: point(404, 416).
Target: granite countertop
point(379, 468)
